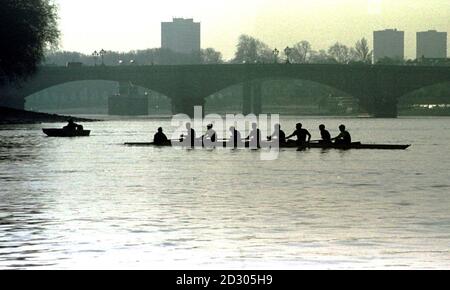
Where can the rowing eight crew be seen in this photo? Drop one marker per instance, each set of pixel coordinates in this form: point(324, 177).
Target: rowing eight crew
point(303, 136)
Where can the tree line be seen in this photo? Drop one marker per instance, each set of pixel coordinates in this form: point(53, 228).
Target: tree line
point(152, 56)
point(252, 50)
point(248, 50)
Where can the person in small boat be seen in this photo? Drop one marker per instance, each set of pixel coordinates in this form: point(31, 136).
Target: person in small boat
point(235, 138)
point(326, 137)
point(190, 136)
point(254, 137)
point(302, 135)
point(71, 126)
point(160, 138)
point(209, 139)
point(278, 135)
point(344, 138)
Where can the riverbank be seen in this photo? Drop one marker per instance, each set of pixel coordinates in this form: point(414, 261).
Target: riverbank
point(14, 116)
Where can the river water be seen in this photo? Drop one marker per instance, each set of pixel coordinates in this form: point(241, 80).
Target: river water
point(94, 203)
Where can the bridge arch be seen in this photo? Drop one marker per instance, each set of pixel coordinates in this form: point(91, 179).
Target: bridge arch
point(92, 97)
point(431, 99)
point(302, 96)
point(48, 77)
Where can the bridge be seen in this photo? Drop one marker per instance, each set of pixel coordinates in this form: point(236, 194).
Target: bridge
point(377, 87)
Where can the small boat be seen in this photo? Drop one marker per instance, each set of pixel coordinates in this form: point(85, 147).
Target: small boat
point(66, 133)
point(267, 144)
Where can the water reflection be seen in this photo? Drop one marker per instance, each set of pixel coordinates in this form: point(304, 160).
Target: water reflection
point(325, 151)
point(93, 203)
point(17, 147)
point(23, 231)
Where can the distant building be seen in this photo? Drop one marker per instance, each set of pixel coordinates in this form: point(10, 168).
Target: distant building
point(388, 43)
point(181, 35)
point(431, 44)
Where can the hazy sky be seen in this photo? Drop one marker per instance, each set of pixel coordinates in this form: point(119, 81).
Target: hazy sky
point(124, 25)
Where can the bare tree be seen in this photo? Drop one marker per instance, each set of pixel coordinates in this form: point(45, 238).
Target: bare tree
point(301, 52)
point(340, 53)
point(363, 52)
point(211, 56)
point(252, 50)
point(321, 56)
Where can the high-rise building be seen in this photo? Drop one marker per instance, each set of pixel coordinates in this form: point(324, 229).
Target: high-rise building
point(431, 44)
point(181, 35)
point(388, 43)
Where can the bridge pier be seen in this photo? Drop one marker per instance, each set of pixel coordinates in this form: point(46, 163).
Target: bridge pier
point(257, 97)
point(247, 98)
point(381, 103)
point(380, 107)
point(252, 98)
point(385, 108)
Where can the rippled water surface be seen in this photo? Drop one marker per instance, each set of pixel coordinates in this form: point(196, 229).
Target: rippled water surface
point(93, 203)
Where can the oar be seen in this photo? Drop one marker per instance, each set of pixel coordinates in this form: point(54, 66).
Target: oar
point(310, 141)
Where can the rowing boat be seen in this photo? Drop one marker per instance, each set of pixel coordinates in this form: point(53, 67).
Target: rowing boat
point(66, 133)
point(355, 145)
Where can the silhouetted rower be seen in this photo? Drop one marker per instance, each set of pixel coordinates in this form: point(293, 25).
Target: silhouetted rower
point(326, 137)
point(189, 139)
point(254, 137)
point(235, 137)
point(209, 139)
point(278, 135)
point(160, 138)
point(301, 134)
point(344, 138)
point(71, 126)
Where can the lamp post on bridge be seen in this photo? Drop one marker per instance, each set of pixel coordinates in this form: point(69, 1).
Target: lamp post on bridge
point(102, 54)
point(276, 52)
point(95, 54)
